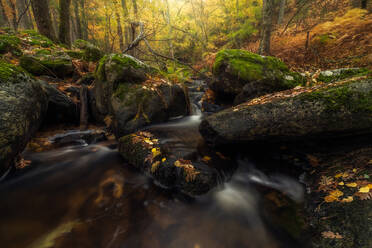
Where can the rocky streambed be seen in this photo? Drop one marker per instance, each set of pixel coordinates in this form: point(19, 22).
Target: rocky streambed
point(315, 128)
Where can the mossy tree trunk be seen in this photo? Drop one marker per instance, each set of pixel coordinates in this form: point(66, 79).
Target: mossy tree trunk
point(64, 22)
point(43, 18)
point(267, 16)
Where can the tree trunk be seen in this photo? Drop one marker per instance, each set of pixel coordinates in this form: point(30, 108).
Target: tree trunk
point(281, 11)
point(267, 7)
point(23, 13)
point(364, 4)
point(135, 9)
point(125, 8)
point(77, 20)
point(84, 22)
point(120, 32)
point(64, 22)
point(43, 19)
point(13, 10)
point(170, 32)
point(4, 21)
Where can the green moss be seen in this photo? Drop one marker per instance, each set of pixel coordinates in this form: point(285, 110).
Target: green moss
point(50, 66)
point(9, 72)
point(81, 44)
point(43, 52)
point(126, 61)
point(92, 53)
point(342, 97)
point(130, 94)
point(36, 39)
point(75, 54)
point(344, 74)
point(246, 65)
point(10, 43)
point(100, 73)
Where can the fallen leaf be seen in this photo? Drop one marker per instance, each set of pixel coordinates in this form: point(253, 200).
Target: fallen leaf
point(351, 185)
point(206, 159)
point(341, 183)
point(364, 189)
point(347, 199)
point(155, 166)
point(331, 235)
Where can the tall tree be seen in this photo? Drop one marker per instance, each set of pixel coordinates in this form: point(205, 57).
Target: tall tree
point(364, 4)
point(135, 9)
point(267, 10)
point(84, 21)
point(281, 11)
point(4, 20)
point(120, 31)
point(13, 11)
point(24, 14)
point(43, 19)
point(64, 22)
point(77, 19)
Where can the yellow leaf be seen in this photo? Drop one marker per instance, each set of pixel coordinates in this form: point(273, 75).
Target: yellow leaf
point(206, 159)
point(348, 199)
point(352, 185)
point(331, 235)
point(364, 189)
point(338, 175)
point(155, 152)
point(341, 183)
point(163, 160)
point(337, 193)
point(354, 170)
point(330, 198)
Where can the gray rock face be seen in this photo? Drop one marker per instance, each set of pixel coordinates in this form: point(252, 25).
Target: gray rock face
point(122, 93)
point(23, 104)
point(61, 109)
point(332, 110)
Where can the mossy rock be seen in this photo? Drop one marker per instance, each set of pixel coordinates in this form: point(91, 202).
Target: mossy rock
point(36, 39)
point(90, 51)
point(339, 109)
point(23, 104)
point(340, 74)
point(241, 75)
point(10, 43)
point(48, 65)
point(76, 54)
point(41, 52)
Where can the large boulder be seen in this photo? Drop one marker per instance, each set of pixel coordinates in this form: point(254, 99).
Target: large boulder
point(341, 108)
point(125, 92)
point(55, 66)
point(10, 43)
point(23, 104)
point(240, 75)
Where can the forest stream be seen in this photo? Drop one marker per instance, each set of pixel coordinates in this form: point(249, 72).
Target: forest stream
point(85, 195)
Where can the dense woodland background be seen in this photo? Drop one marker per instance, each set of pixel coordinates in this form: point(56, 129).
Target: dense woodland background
point(304, 33)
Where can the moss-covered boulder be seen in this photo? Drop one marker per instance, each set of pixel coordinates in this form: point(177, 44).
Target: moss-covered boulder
point(341, 108)
point(90, 51)
point(55, 66)
point(23, 104)
point(124, 91)
point(144, 151)
point(240, 75)
point(10, 43)
point(33, 38)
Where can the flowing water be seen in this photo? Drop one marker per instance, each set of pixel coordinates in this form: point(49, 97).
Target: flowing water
point(82, 195)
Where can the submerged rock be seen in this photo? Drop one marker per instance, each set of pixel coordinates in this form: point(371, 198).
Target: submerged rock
point(47, 65)
point(240, 75)
point(338, 109)
point(124, 92)
point(23, 104)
